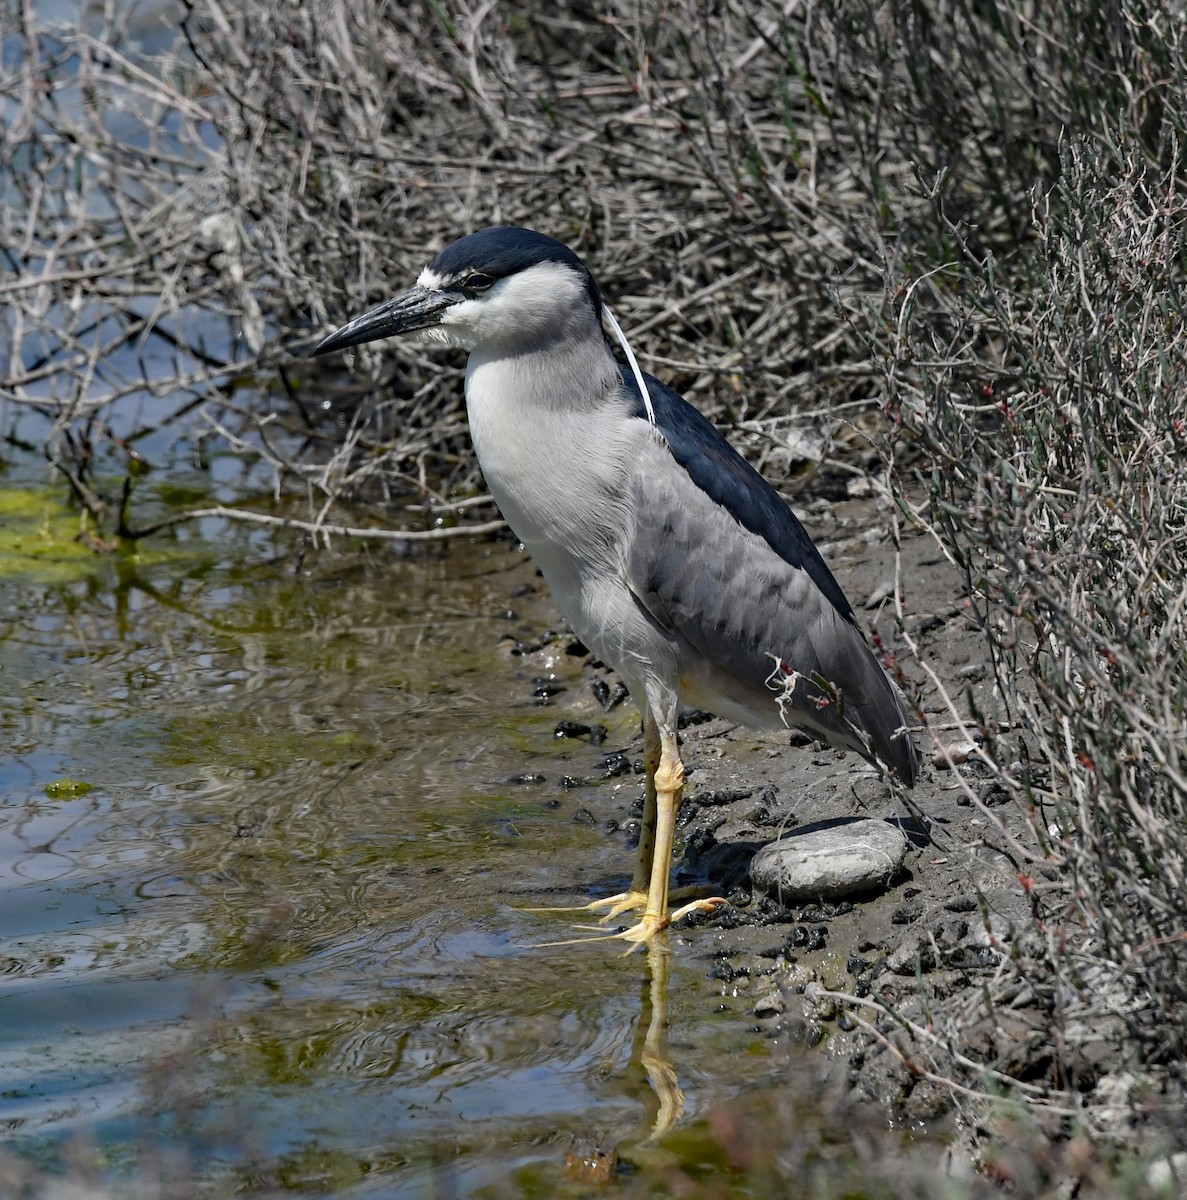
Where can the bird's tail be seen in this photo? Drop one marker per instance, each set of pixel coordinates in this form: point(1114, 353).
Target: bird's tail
point(850, 699)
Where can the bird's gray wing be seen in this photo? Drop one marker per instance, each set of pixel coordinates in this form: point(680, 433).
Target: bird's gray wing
point(719, 559)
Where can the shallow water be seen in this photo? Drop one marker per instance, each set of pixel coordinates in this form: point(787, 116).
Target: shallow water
point(265, 840)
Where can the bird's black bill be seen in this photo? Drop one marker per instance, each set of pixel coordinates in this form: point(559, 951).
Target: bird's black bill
point(417, 308)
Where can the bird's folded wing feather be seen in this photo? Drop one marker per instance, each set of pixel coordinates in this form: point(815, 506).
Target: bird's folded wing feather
point(719, 559)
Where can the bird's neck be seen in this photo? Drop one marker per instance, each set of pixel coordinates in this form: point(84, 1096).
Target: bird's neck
point(572, 374)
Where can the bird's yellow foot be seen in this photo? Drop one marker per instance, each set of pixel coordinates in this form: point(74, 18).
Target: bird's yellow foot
point(643, 933)
point(614, 905)
point(650, 925)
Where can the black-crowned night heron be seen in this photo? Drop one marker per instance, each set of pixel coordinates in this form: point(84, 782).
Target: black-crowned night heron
point(670, 556)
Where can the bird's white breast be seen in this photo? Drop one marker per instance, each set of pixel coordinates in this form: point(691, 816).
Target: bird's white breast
point(559, 473)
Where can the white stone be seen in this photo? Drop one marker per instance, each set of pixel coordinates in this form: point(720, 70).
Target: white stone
point(826, 862)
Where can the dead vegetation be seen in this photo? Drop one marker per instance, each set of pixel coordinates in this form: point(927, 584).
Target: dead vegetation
point(969, 217)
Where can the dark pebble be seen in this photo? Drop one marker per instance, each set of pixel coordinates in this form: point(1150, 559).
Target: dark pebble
point(611, 826)
point(546, 687)
point(636, 808)
point(729, 918)
point(911, 892)
point(856, 966)
point(567, 781)
point(577, 648)
point(527, 777)
point(632, 829)
point(508, 614)
point(524, 648)
point(803, 938)
point(693, 716)
point(584, 817)
point(575, 729)
point(920, 628)
point(845, 1023)
point(554, 803)
point(907, 914)
point(721, 796)
point(973, 958)
point(727, 972)
point(616, 764)
point(812, 914)
point(962, 904)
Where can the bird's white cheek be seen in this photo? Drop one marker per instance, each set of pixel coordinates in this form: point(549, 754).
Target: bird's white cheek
point(458, 327)
point(443, 335)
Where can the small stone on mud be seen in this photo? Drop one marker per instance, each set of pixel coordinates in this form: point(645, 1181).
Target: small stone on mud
point(803, 938)
point(721, 797)
point(576, 729)
point(771, 1005)
point(829, 861)
point(693, 716)
point(911, 957)
point(607, 696)
point(615, 764)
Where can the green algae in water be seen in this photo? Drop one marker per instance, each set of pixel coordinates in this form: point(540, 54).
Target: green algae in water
point(68, 789)
point(43, 539)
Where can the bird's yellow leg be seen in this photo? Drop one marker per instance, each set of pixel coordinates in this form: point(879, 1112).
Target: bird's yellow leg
point(636, 897)
point(669, 791)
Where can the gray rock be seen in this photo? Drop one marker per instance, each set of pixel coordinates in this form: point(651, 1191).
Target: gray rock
point(826, 862)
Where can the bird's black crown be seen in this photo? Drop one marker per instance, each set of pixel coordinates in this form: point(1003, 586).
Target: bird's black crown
point(505, 250)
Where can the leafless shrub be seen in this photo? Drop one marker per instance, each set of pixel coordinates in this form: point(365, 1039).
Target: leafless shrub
point(1034, 351)
point(300, 161)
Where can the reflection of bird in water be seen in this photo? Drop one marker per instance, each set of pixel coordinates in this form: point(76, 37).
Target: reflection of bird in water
point(671, 557)
point(651, 1044)
point(649, 1058)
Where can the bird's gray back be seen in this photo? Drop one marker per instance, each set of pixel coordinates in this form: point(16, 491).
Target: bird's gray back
point(719, 559)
